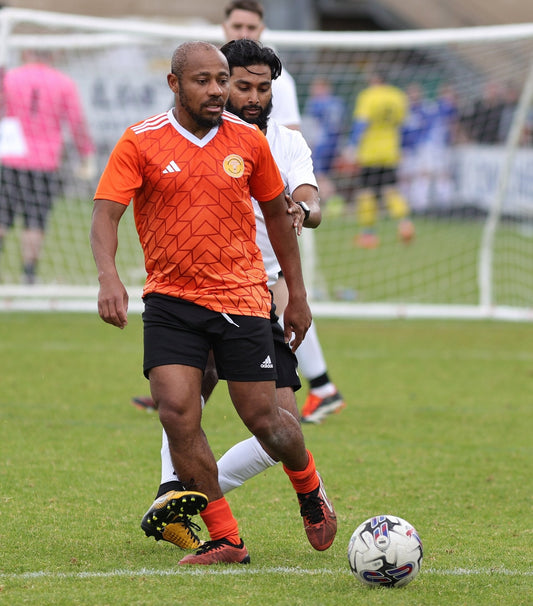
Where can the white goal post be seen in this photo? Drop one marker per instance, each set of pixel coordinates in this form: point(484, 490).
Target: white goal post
point(471, 198)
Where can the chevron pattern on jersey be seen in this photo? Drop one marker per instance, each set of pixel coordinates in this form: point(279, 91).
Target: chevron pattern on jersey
point(195, 218)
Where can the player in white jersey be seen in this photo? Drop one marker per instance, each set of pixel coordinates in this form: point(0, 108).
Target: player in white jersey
point(293, 157)
point(251, 99)
point(244, 19)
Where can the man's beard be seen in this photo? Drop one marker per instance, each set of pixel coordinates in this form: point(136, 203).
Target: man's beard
point(202, 121)
point(261, 120)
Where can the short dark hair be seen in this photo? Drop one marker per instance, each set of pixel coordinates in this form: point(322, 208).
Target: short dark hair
point(180, 57)
point(244, 5)
point(245, 52)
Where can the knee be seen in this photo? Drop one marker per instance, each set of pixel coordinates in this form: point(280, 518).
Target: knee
point(178, 419)
point(263, 426)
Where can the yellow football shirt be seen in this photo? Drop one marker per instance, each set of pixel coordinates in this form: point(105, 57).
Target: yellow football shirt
point(383, 108)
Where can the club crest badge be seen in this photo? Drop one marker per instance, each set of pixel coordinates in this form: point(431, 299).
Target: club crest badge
point(234, 166)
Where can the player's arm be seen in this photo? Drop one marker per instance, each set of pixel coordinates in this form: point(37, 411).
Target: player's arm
point(308, 196)
point(112, 295)
point(297, 316)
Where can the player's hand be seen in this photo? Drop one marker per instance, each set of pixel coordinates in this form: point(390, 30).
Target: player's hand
point(86, 170)
point(297, 214)
point(297, 319)
point(113, 302)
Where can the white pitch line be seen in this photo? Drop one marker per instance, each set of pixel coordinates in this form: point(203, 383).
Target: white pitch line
point(245, 570)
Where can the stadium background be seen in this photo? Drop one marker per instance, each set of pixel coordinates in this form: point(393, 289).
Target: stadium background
point(436, 271)
point(312, 14)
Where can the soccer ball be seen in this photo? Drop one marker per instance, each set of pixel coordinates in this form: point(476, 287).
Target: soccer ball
point(385, 550)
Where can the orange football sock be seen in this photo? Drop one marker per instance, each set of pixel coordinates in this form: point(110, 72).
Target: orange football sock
point(305, 480)
point(220, 522)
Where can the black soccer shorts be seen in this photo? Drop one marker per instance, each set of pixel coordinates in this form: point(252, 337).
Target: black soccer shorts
point(180, 332)
point(28, 193)
point(286, 361)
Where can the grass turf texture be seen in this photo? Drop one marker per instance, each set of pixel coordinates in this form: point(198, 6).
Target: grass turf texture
point(437, 430)
point(440, 268)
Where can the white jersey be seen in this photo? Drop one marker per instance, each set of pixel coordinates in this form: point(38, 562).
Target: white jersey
point(293, 157)
point(285, 108)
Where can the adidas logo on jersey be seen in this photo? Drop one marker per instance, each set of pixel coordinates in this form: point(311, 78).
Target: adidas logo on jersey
point(267, 363)
point(172, 167)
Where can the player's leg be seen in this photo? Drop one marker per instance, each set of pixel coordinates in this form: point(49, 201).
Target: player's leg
point(31, 242)
point(176, 349)
point(8, 202)
point(249, 458)
point(276, 429)
point(209, 381)
point(40, 189)
point(280, 434)
point(194, 462)
point(176, 390)
point(160, 520)
point(397, 205)
point(164, 519)
point(366, 209)
point(324, 398)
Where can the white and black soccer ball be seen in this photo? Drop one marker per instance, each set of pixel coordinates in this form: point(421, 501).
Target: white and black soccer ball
point(385, 550)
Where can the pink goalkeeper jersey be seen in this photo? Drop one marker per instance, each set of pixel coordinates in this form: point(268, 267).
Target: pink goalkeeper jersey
point(44, 100)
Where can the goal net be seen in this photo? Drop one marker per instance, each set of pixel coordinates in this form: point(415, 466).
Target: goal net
point(465, 170)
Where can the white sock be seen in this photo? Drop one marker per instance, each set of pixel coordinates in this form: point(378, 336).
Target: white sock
point(310, 357)
point(324, 390)
point(167, 468)
point(242, 462)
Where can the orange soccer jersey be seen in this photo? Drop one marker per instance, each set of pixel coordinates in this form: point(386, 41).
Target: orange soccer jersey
point(192, 208)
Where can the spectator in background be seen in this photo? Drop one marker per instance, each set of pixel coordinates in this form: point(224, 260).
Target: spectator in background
point(427, 136)
point(510, 104)
point(483, 124)
point(40, 101)
point(442, 134)
point(244, 19)
point(323, 119)
point(414, 182)
point(379, 114)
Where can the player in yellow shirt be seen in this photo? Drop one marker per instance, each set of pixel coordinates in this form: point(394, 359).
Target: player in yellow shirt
point(380, 110)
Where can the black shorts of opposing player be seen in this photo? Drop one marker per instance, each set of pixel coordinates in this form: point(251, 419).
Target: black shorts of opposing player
point(181, 332)
point(377, 177)
point(286, 361)
point(27, 193)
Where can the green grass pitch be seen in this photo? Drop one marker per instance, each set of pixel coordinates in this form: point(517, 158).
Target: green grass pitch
point(441, 267)
point(437, 430)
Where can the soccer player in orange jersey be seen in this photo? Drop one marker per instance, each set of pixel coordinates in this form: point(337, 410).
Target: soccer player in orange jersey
point(244, 19)
point(191, 172)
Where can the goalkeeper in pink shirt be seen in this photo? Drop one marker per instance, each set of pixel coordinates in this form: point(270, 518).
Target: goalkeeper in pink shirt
point(40, 102)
